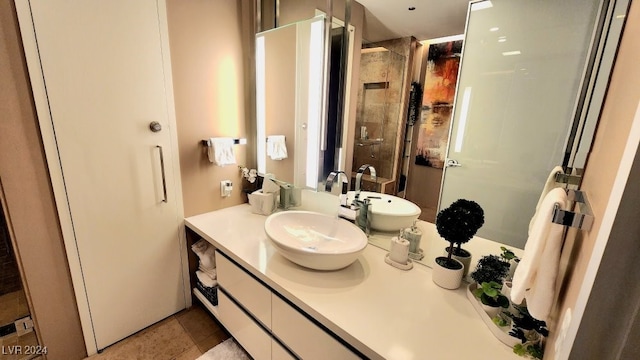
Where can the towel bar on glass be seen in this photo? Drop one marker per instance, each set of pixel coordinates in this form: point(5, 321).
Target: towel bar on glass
point(581, 219)
point(235, 141)
point(570, 176)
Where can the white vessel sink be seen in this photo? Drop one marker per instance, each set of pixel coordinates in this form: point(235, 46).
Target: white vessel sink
point(388, 212)
point(315, 240)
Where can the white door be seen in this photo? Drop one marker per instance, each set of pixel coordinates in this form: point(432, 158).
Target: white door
point(519, 80)
point(103, 71)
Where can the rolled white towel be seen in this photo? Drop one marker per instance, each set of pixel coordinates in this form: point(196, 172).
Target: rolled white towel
point(209, 272)
point(206, 253)
point(205, 279)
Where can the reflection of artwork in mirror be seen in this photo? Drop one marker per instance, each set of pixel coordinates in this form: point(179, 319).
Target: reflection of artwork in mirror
point(439, 91)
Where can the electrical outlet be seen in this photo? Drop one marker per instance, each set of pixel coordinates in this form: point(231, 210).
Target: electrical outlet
point(226, 187)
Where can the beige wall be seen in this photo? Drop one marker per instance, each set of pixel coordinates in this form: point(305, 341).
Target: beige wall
point(209, 59)
point(611, 137)
point(29, 200)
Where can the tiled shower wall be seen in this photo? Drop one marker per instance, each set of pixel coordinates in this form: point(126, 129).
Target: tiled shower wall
point(379, 105)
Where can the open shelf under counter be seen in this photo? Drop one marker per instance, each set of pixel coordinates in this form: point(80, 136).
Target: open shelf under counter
point(213, 309)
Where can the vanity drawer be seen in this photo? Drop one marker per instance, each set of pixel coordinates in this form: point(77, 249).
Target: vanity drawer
point(253, 296)
point(279, 353)
point(244, 329)
point(303, 337)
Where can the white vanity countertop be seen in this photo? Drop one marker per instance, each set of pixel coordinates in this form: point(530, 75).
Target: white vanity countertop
point(384, 312)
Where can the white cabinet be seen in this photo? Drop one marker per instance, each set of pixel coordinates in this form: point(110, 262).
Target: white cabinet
point(259, 316)
point(302, 336)
point(255, 340)
point(253, 296)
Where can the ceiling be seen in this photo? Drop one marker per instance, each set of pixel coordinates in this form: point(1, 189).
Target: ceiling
point(389, 19)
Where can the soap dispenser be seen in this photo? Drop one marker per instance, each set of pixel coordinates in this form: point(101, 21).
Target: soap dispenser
point(414, 235)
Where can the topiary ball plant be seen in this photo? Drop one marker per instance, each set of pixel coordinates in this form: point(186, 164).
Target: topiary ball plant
point(458, 223)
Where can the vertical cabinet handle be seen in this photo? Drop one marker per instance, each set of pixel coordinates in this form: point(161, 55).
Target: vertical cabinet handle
point(164, 179)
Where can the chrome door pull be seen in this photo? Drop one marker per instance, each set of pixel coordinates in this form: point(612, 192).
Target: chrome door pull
point(164, 180)
point(453, 163)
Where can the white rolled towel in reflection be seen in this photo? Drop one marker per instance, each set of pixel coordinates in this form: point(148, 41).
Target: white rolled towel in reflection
point(276, 147)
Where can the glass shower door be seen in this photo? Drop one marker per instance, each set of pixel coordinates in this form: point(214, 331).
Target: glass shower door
point(520, 75)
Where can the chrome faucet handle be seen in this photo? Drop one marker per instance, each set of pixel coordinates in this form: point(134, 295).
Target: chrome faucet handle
point(361, 171)
point(331, 178)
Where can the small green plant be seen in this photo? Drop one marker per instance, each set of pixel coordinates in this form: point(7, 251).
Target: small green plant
point(508, 254)
point(500, 320)
point(490, 295)
point(530, 331)
point(490, 268)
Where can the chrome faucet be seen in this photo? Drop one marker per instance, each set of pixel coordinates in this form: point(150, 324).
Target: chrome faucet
point(363, 220)
point(332, 177)
point(346, 211)
point(361, 171)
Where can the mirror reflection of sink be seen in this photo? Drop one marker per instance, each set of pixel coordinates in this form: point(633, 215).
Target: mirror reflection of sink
point(388, 212)
point(315, 240)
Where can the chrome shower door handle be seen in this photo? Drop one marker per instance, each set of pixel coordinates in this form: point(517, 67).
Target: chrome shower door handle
point(453, 163)
point(164, 179)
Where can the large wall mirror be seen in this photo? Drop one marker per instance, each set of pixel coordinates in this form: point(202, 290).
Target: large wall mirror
point(298, 98)
point(530, 84)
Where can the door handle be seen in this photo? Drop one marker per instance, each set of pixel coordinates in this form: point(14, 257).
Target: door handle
point(453, 163)
point(164, 179)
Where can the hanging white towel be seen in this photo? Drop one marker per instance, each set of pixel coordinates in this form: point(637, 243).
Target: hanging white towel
point(220, 151)
point(535, 276)
point(276, 147)
point(548, 185)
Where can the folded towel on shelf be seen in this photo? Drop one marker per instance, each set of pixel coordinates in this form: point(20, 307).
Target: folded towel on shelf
point(220, 151)
point(535, 277)
point(548, 185)
point(209, 272)
point(276, 147)
point(205, 279)
point(206, 253)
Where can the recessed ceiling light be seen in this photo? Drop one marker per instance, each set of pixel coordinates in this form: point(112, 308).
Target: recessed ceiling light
point(511, 53)
point(502, 40)
point(494, 29)
point(411, 8)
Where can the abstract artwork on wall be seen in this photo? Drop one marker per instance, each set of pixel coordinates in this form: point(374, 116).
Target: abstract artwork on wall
point(437, 102)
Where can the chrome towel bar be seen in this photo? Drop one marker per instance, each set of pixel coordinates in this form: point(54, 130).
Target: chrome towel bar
point(582, 218)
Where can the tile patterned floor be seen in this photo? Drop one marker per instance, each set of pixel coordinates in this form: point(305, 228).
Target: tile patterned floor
point(183, 336)
point(13, 306)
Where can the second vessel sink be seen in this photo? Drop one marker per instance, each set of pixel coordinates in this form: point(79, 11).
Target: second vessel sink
point(314, 240)
point(388, 212)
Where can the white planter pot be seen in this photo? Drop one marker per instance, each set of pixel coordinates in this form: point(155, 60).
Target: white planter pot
point(445, 277)
point(512, 267)
point(465, 260)
point(490, 310)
